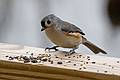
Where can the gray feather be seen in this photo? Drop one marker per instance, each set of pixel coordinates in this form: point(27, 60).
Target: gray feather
point(92, 47)
point(68, 27)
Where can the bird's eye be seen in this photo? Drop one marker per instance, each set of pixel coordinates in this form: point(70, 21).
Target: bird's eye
point(48, 22)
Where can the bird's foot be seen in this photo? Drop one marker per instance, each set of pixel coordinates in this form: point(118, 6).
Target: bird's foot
point(54, 48)
point(71, 52)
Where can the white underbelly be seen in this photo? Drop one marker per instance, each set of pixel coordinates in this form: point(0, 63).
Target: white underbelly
point(63, 40)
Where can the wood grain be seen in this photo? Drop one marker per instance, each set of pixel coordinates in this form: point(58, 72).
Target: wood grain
point(74, 67)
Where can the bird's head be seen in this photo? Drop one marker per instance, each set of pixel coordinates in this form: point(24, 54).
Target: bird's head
point(48, 21)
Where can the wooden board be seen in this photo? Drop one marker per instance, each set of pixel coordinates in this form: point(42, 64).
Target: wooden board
point(55, 65)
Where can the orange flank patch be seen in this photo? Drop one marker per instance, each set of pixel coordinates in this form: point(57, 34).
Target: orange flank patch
point(74, 34)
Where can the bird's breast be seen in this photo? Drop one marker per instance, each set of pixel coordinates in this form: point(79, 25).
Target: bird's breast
point(63, 39)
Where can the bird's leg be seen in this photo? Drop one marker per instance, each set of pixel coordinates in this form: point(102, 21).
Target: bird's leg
point(73, 50)
point(54, 47)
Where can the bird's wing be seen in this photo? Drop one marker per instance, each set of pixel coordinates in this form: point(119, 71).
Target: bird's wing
point(70, 28)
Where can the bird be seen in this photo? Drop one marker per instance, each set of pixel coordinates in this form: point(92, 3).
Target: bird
point(66, 35)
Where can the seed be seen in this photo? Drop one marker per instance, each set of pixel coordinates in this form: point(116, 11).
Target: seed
point(73, 56)
point(74, 64)
point(118, 61)
point(88, 59)
point(51, 62)
point(16, 57)
point(31, 57)
point(34, 61)
point(65, 55)
point(38, 58)
point(56, 57)
point(26, 61)
point(104, 64)
point(81, 64)
point(69, 57)
point(80, 56)
point(84, 67)
point(25, 58)
point(109, 65)
point(80, 68)
point(45, 59)
point(93, 62)
point(32, 54)
point(69, 61)
point(6, 56)
point(11, 58)
point(59, 62)
point(26, 52)
point(105, 71)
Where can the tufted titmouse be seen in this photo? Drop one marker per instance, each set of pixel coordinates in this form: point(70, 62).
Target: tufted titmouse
point(66, 35)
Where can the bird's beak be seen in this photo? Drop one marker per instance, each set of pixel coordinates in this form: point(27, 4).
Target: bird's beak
point(43, 28)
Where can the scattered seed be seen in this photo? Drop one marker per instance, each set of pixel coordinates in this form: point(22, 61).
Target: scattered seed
point(26, 61)
point(73, 56)
point(74, 64)
point(104, 64)
point(118, 61)
point(80, 68)
point(69, 62)
point(80, 55)
point(26, 52)
point(88, 59)
point(93, 62)
point(31, 57)
point(25, 58)
point(34, 61)
point(6, 56)
point(84, 67)
point(56, 57)
point(51, 62)
point(45, 59)
point(11, 58)
point(83, 57)
point(105, 71)
point(16, 57)
point(86, 62)
point(32, 54)
point(38, 58)
point(69, 57)
point(65, 55)
point(59, 62)
point(109, 65)
point(81, 64)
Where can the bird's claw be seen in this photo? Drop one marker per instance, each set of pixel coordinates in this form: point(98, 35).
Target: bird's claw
point(47, 48)
point(71, 52)
point(51, 48)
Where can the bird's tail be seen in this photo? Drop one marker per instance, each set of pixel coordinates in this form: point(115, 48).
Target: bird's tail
point(92, 47)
